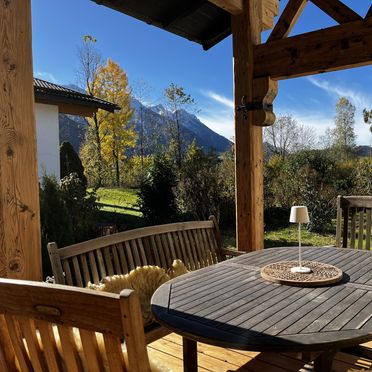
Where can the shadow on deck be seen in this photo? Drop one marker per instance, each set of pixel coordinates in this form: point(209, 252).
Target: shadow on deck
point(168, 351)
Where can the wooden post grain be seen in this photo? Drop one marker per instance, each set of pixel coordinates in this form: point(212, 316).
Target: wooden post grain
point(246, 28)
point(19, 201)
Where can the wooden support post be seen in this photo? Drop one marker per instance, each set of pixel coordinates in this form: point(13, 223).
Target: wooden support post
point(19, 194)
point(246, 28)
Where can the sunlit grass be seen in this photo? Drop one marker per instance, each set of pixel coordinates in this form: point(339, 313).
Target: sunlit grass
point(123, 201)
point(285, 237)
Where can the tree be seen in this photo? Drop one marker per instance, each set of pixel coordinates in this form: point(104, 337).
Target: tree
point(90, 62)
point(70, 162)
point(368, 118)
point(115, 132)
point(176, 100)
point(156, 196)
point(343, 134)
point(140, 93)
point(287, 136)
point(199, 189)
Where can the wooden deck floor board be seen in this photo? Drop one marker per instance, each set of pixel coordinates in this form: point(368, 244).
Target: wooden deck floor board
point(168, 351)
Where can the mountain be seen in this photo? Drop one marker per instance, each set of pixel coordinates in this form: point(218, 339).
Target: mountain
point(157, 120)
point(72, 129)
point(156, 125)
point(362, 151)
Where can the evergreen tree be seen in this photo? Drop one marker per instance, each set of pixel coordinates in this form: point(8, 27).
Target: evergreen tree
point(156, 196)
point(70, 162)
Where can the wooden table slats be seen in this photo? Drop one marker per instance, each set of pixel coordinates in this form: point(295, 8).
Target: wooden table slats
point(229, 304)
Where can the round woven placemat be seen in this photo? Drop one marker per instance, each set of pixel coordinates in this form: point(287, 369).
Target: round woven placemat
point(321, 274)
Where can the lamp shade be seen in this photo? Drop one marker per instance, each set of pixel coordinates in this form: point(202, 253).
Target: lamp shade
point(299, 214)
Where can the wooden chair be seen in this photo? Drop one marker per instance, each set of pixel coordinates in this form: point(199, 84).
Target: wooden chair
point(48, 327)
point(353, 230)
point(354, 222)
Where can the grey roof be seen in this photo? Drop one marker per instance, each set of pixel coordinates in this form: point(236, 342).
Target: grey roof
point(196, 20)
point(50, 92)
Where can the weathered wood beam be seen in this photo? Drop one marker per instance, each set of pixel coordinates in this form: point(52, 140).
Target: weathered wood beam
point(269, 9)
point(335, 48)
point(20, 255)
point(232, 6)
point(337, 10)
point(246, 28)
point(67, 108)
point(265, 91)
point(369, 13)
point(288, 19)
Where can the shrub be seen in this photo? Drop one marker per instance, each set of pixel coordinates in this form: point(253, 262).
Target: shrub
point(199, 191)
point(56, 224)
point(363, 177)
point(156, 195)
point(226, 174)
point(81, 205)
point(67, 213)
point(133, 171)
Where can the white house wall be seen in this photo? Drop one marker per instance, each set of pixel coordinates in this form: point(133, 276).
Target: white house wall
point(47, 127)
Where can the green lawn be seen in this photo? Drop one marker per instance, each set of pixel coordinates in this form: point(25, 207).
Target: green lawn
point(121, 208)
point(285, 237)
point(123, 201)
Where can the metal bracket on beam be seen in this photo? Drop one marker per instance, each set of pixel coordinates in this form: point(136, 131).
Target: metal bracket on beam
point(245, 106)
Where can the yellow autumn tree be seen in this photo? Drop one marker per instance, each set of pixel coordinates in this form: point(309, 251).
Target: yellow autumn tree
point(115, 131)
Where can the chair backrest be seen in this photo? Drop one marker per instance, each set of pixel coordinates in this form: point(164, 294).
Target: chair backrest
point(354, 222)
point(47, 327)
point(196, 243)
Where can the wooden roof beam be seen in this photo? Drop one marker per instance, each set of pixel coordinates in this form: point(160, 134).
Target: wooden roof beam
point(288, 19)
point(269, 9)
point(335, 48)
point(369, 14)
point(232, 6)
point(337, 10)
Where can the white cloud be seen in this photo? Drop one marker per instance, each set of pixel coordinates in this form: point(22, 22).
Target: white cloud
point(45, 76)
point(218, 113)
point(358, 99)
point(221, 124)
point(219, 98)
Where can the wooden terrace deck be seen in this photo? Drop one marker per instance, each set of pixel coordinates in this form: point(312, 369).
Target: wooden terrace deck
point(168, 350)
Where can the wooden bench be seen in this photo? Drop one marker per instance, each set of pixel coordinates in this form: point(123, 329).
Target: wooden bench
point(196, 243)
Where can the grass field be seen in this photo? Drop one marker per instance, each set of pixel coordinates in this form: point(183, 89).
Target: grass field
point(119, 206)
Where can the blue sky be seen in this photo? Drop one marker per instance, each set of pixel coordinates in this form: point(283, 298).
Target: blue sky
point(159, 58)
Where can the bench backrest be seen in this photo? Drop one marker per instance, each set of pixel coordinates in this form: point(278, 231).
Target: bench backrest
point(354, 220)
point(196, 243)
point(45, 327)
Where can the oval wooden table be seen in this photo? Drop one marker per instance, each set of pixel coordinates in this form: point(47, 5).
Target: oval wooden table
point(230, 305)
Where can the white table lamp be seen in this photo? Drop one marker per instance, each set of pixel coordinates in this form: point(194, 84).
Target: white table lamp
point(299, 214)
